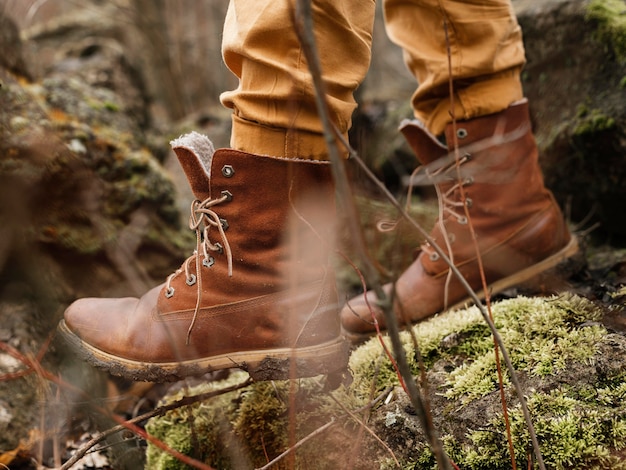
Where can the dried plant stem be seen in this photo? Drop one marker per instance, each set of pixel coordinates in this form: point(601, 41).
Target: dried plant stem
point(35, 365)
point(475, 299)
point(299, 444)
point(479, 259)
point(379, 333)
point(487, 314)
point(367, 428)
point(160, 411)
point(471, 293)
point(304, 29)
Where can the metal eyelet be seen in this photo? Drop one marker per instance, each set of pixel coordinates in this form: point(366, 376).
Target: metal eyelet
point(227, 194)
point(228, 171)
point(191, 281)
point(463, 220)
point(224, 223)
point(469, 180)
point(468, 202)
point(434, 256)
point(208, 262)
point(169, 292)
point(461, 133)
point(219, 248)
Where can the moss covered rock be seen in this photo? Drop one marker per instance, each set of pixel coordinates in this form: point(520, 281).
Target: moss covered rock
point(572, 370)
point(241, 429)
point(610, 16)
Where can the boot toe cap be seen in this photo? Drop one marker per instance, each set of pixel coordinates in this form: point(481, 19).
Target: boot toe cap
point(97, 321)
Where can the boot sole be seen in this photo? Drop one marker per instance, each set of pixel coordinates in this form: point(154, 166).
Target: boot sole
point(525, 275)
point(328, 358)
point(517, 279)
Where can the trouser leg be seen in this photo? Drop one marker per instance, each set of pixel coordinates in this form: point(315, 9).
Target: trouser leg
point(274, 111)
point(486, 54)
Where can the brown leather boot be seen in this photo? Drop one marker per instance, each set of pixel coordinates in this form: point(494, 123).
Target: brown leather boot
point(519, 227)
point(257, 294)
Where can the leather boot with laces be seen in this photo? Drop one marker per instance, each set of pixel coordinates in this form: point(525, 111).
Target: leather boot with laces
point(256, 294)
point(519, 227)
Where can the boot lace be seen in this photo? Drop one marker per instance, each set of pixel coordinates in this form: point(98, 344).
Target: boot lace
point(451, 204)
point(201, 220)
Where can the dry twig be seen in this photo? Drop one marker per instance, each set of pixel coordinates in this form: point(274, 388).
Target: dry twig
point(304, 29)
point(34, 365)
point(160, 411)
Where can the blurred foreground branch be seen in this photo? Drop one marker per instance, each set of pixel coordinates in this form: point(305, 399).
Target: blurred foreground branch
point(304, 29)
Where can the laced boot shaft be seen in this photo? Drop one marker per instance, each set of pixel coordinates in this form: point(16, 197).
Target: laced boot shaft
point(255, 210)
point(494, 178)
point(256, 290)
point(498, 179)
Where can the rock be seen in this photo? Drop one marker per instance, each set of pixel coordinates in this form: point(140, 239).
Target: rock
point(12, 57)
point(86, 210)
point(86, 207)
point(574, 80)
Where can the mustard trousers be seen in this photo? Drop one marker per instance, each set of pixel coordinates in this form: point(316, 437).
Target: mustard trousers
point(274, 111)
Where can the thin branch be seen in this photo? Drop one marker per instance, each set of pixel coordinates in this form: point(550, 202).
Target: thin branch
point(29, 370)
point(470, 292)
point(367, 428)
point(299, 444)
point(479, 259)
point(35, 365)
point(366, 416)
point(304, 30)
point(379, 333)
point(160, 411)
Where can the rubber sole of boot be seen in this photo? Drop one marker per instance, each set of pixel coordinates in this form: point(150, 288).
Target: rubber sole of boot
point(525, 275)
point(329, 358)
point(519, 278)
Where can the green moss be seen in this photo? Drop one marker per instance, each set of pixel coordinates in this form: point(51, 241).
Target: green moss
point(465, 331)
point(610, 16)
point(241, 429)
point(179, 428)
point(574, 431)
point(541, 336)
point(80, 238)
point(111, 106)
point(621, 292)
point(134, 178)
point(98, 104)
point(591, 121)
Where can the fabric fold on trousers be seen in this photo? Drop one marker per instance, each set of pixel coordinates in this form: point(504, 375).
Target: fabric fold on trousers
point(486, 54)
point(274, 110)
point(275, 93)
